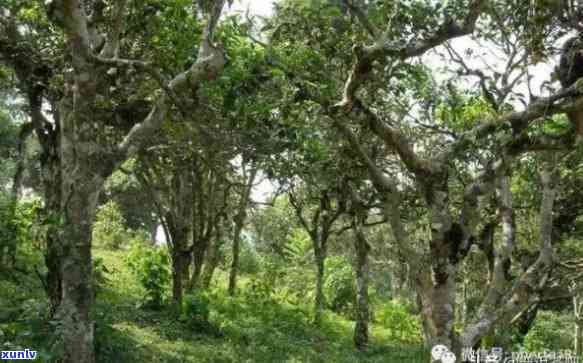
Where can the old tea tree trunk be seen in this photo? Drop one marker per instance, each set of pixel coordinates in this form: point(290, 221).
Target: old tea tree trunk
point(86, 159)
point(180, 229)
point(362, 249)
point(84, 177)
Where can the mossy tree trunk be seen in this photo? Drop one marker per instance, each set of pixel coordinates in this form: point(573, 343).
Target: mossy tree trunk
point(180, 230)
point(362, 249)
point(236, 250)
point(51, 176)
point(75, 242)
point(319, 300)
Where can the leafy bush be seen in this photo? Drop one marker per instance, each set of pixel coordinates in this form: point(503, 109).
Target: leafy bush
point(260, 288)
point(551, 332)
point(401, 324)
point(195, 309)
point(23, 309)
point(262, 285)
point(109, 228)
point(24, 322)
point(339, 287)
point(18, 223)
point(152, 268)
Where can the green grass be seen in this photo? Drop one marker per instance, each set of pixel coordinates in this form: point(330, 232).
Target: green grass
point(246, 330)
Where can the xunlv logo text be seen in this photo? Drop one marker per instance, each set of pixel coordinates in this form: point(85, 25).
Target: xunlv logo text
point(18, 354)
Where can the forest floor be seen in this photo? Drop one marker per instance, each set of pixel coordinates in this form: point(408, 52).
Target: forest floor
point(242, 330)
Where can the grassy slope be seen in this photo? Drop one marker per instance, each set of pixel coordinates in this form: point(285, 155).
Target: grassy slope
point(249, 332)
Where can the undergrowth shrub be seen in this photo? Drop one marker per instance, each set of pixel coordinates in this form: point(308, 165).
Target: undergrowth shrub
point(292, 271)
point(339, 285)
point(19, 225)
point(262, 285)
point(23, 305)
point(195, 309)
point(24, 323)
point(401, 324)
point(152, 268)
point(551, 331)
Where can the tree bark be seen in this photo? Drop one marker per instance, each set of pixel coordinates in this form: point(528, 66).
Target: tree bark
point(206, 215)
point(578, 314)
point(179, 264)
point(209, 272)
point(51, 178)
point(180, 229)
point(53, 248)
point(400, 273)
point(319, 230)
point(445, 236)
point(502, 302)
point(77, 296)
point(578, 338)
point(362, 276)
point(239, 224)
point(198, 259)
point(239, 221)
point(52, 193)
point(180, 259)
point(83, 170)
point(213, 259)
point(54, 277)
point(320, 257)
